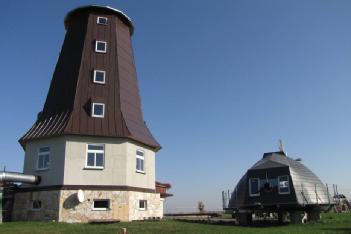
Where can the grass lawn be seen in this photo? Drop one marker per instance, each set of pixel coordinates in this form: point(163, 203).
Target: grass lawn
point(330, 223)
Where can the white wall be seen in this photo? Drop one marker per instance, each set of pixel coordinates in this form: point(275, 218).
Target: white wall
point(134, 178)
point(68, 159)
point(53, 175)
point(120, 163)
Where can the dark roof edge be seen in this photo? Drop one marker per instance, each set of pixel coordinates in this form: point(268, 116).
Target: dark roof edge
point(276, 152)
point(165, 185)
point(128, 21)
point(154, 147)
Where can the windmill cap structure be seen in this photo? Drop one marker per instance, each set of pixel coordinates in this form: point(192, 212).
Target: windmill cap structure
point(305, 188)
point(75, 91)
point(301, 176)
point(99, 9)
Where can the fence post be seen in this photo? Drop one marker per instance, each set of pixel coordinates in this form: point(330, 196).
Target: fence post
point(328, 194)
point(1, 191)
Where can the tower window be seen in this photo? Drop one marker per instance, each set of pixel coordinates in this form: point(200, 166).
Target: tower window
point(142, 205)
point(140, 158)
point(95, 156)
point(101, 204)
point(98, 110)
point(99, 76)
point(254, 187)
point(36, 205)
point(101, 20)
point(100, 46)
point(43, 158)
point(283, 182)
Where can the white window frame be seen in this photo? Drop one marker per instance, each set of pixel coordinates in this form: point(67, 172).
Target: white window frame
point(250, 189)
point(101, 17)
point(36, 209)
point(145, 204)
point(43, 154)
point(95, 152)
point(102, 208)
point(96, 46)
point(92, 110)
point(288, 192)
point(97, 81)
point(140, 158)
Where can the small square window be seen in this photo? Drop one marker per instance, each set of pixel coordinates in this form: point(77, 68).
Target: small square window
point(100, 46)
point(95, 156)
point(101, 20)
point(99, 76)
point(254, 187)
point(142, 205)
point(101, 204)
point(36, 205)
point(140, 159)
point(98, 110)
point(283, 182)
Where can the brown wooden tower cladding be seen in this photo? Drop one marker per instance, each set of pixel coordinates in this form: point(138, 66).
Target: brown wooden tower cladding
point(73, 89)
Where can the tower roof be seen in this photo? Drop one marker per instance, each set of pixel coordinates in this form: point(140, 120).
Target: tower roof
point(73, 93)
point(100, 9)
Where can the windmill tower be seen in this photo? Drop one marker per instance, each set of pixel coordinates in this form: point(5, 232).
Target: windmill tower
point(91, 136)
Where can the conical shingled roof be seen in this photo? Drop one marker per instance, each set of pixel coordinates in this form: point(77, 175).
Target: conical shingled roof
point(67, 109)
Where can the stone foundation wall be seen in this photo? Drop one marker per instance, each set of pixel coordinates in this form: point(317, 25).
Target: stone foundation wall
point(22, 209)
point(124, 206)
point(63, 206)
point(73, 211)
point(154, 206)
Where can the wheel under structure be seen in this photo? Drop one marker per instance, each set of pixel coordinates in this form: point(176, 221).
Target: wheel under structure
point(297, 216)
point(313, 215)
point(282, 217)
point(244, 218)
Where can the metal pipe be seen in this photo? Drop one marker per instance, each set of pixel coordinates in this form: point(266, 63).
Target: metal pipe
point(19, 177)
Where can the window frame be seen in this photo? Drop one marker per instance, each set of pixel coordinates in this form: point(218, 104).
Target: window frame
point(101, 209)
point(96, 47)
point(101, 17)
point(93, 104)
point(140, 158)
point(43, 154)
point(36, 209)
point(94, 76)
point(288, 192)
point(143, 201)
point(94, 152)
point(259, 186)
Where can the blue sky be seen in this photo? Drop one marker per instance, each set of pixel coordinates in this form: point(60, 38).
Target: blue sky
point(221, 82)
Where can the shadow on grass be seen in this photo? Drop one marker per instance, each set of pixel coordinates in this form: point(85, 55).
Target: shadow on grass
point(258, 223)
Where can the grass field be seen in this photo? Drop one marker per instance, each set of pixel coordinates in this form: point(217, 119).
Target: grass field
point(330, 223)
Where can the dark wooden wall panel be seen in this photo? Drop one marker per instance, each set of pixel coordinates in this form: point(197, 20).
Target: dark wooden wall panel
point(68, 105)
